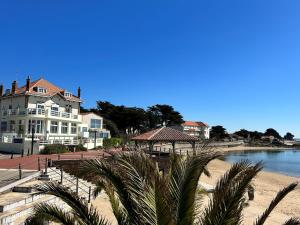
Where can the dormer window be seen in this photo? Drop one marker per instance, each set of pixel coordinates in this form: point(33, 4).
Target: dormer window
point(42, 90)
point(68, 94)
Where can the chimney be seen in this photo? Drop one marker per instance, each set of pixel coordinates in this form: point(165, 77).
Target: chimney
point(28, 83)
point(1, 90)
point(79, 92)
point(14, 87)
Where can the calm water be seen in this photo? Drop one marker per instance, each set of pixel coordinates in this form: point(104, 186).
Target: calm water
point(285, 162)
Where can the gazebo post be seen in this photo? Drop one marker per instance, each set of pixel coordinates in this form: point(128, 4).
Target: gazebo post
point(173, 145)
point(151, 145)
point(194, 147)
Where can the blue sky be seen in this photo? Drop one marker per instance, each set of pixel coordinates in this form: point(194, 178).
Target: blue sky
point(232, 62)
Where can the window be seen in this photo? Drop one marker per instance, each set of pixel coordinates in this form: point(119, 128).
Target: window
point(54, 127)
point(104, 135)
point(95, 124)
point(73, 128)
point(21, 127)
point(84, 129)
point(68, 108)
point(12, 126)
point(41, 90)
point(37, 125)
point(68, 94)
point(3, 126)
point(55, 107)
point(64, 128)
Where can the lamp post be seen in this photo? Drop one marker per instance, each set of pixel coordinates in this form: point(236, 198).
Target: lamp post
point(95, 139)
point(32, 139)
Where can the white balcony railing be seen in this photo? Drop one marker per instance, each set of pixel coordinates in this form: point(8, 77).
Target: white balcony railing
point(38, 112)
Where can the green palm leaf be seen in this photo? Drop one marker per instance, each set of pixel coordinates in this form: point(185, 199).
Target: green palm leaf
point(281, 194)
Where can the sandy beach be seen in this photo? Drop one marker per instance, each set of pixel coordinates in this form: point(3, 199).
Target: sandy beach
point(267, 184)
point(249, 148)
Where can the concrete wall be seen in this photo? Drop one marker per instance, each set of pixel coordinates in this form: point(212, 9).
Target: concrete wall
point(17, 148)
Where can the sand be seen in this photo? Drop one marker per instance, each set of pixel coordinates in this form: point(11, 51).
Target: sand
point(267, 185)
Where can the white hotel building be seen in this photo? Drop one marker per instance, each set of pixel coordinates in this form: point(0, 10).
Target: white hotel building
point(52, 113)
point(196, 129)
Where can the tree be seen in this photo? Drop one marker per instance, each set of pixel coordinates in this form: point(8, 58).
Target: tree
point(289, 136)
point(218, 133)
point(141, 195)
point(272, 132)
point(256, 135)
point(243, 133)
point(159, 115)
point(129, 120)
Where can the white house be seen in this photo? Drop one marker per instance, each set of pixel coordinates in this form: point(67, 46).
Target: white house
point(51, 113)
point(196, 129)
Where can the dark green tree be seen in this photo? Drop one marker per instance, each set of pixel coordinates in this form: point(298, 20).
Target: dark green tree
point(272, 132)
point(218, 133)
point(289, 136)
point(163, 114)
point(243, 133)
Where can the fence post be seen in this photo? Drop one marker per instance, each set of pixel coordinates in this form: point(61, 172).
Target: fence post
point(77, 187)
point(12, 156)
point(22, 152)
point(90, 192)
point(39, 164)
point(180, 151)
point(58, 157)
point(20, 172)
point(46, 165)
point(61, 175)
point(159, 153)
point(187, 152)
point(81, 155)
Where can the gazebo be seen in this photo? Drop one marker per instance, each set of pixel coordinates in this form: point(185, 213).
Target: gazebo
point(165, 135)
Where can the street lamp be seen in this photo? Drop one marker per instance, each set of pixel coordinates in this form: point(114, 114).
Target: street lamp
point(32, 139)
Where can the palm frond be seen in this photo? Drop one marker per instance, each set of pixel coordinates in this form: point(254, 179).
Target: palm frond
point(184, 177)
point(47, 212)
point(227, 203)
point(79, 208)
point(118, 209)
point(158, 211)
point(281, 194)
point(292, 221)
point(112, 174)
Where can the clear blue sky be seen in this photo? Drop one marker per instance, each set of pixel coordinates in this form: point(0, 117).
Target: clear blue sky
point(234, 63)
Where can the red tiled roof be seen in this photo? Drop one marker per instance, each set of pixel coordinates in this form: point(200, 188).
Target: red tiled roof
point(51, 90)
point(164, 134)
point(194, 124)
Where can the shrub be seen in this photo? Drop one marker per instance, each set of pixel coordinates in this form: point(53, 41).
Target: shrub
point(80, 148)
point(112, 142)
point(55, 149)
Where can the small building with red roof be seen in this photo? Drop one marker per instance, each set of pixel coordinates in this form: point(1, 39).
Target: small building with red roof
point(196, 129)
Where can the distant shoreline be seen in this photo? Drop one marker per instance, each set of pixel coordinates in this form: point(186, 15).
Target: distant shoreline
point(250, 148)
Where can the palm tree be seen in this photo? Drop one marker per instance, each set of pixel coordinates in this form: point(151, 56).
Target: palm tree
point(140, 194)
point(79, 213)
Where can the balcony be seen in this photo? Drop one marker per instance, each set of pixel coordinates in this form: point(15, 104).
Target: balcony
point(39, 113)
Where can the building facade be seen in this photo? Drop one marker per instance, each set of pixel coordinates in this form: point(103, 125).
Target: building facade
point(49, 113)
point(196, 129)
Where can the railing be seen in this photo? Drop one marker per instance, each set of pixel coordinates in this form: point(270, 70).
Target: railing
point(60, 141)
point(77, 182)
point(40, 112)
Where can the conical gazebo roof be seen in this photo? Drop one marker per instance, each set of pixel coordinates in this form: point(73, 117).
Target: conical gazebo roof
point(165, 134)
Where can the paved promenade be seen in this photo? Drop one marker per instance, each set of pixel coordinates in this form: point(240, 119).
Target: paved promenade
point(32, 162)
